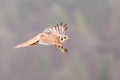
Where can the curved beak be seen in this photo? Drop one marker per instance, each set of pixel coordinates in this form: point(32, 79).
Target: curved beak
point(68, 38)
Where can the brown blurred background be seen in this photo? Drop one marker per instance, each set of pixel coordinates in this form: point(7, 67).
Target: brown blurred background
point(94, 46)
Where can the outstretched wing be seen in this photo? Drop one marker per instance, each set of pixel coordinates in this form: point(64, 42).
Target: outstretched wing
point(58, 28)
point(32, 41)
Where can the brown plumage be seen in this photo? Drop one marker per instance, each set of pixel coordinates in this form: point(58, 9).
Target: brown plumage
point(50, 36)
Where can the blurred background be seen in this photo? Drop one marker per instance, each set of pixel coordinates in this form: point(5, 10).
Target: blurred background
point(94, 46)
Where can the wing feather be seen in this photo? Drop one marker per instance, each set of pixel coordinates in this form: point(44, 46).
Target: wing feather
point(58, 28)
point(32, 41)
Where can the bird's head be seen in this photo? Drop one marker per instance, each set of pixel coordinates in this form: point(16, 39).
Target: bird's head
point(64, 38)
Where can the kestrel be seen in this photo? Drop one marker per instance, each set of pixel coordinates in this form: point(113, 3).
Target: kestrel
point(53, 36)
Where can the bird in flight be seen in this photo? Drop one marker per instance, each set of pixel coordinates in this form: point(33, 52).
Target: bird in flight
point(53, 36)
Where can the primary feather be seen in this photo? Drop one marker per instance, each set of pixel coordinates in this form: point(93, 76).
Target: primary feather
point(58, 28)
point(32, 41)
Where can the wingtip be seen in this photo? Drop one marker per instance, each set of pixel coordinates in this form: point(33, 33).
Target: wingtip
point(19, 46)
point(15, 47)
point(65, 50)
point(61, 23)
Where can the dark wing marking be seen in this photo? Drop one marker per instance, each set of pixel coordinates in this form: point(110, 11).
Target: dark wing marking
point(58, 28)
point(64, 50)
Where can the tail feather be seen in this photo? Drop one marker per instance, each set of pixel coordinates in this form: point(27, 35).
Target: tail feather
point(32, 41)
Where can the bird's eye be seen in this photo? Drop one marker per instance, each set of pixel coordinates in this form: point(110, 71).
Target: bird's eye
point(65, 37)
